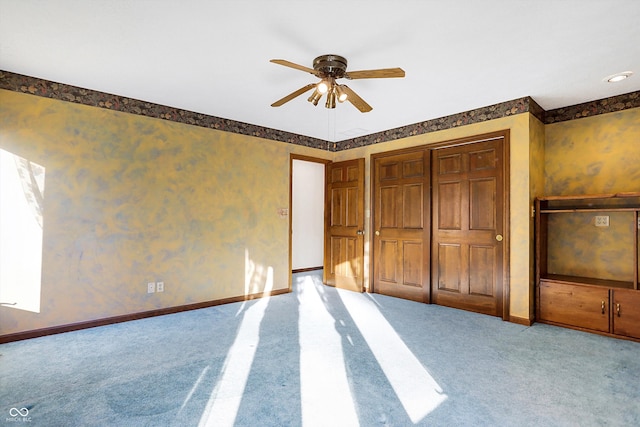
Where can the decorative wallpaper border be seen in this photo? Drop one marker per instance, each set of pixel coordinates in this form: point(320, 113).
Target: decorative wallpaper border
point(63, 92)
point(593, 108)
point(503, 109)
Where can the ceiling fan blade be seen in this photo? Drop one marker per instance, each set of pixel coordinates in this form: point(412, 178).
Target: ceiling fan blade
point(357, 102)
point(294, 66)
point(375, 74)
point(293, 95)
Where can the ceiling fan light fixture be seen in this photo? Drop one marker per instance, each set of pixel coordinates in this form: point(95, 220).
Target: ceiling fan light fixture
point(329, 68)
point(342, 95)
point(323, 86)
point(315, 97)
point(331, 100)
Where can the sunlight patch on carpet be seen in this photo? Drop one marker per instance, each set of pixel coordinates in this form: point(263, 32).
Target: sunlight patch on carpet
point(224, 402)
point(324, 387)
point(416, 389)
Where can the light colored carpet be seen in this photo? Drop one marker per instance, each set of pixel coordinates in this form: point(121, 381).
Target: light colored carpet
point(321, 357)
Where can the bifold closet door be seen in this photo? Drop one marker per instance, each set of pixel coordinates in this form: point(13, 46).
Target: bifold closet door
point(401, 225)
point(468, 227)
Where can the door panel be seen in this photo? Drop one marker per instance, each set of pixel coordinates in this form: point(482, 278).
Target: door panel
point(388, 206)
point(468, 224)
point(400, 214)
point(354, 215)
point(626, 312)
point(449, 256)
point(388, 260)
point(344, 248)
point(412, 268)
point(449, 213)
point(337, 196)
point(412, 206)
point(344, 253)
point(482, 205)
point(481, 261)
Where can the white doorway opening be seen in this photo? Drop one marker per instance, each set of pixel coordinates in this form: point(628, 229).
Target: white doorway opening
point(307, 210)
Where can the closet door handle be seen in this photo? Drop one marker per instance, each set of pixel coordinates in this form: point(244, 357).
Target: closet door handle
point(618, 309)
point(602, 307)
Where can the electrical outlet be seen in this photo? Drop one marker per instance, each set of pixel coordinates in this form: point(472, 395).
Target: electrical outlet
point(602, 221)
point(160, 287)
point(151, 287)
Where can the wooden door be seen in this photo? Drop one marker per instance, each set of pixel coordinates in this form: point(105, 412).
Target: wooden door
point(401, 225)
point(344, 210)
point(468, 226)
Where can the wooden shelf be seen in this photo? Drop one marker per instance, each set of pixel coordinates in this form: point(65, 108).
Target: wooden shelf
point(620, 284)
point(592, 196)
point(590, 209)
point(599, 202)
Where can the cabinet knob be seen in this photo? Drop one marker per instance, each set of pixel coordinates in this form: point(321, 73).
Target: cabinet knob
point(377, 232)
point(360, 232)
point(499, 237)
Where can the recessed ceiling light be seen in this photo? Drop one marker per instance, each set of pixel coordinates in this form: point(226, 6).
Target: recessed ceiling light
point(618, 77)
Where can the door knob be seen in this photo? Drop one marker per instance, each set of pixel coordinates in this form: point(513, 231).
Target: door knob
point(377, 232)
point(499, 237)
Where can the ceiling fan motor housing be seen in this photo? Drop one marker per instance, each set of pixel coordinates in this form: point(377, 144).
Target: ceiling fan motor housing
point(330, 66)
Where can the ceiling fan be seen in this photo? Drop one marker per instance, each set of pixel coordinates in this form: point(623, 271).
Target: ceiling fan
point(330, 68)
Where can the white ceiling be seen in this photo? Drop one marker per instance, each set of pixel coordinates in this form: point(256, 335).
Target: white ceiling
point(212, 56)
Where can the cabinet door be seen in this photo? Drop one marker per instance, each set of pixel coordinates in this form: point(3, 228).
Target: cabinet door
point(575, 305)
point(626, 313)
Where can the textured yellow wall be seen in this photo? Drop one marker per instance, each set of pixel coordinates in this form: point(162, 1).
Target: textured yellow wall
point(537, 157)
point(594, 155)
point(520, 263)
point(130, 199)
point(578, 248)
point(536, 173)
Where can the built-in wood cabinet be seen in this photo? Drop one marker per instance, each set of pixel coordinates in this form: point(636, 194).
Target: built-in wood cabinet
point(625, 313)
point(587, 263)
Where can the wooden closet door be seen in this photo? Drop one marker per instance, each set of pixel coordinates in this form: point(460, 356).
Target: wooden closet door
point(401, 225)
point(468, 226)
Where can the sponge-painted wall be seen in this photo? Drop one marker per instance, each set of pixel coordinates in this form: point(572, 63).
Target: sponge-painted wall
point(594, 155)
point(130, 200)
point(536, 174)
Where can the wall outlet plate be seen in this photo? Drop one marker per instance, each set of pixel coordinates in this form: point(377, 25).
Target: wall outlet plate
point(160, 287)
point(151, 287)
point(602, 221)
